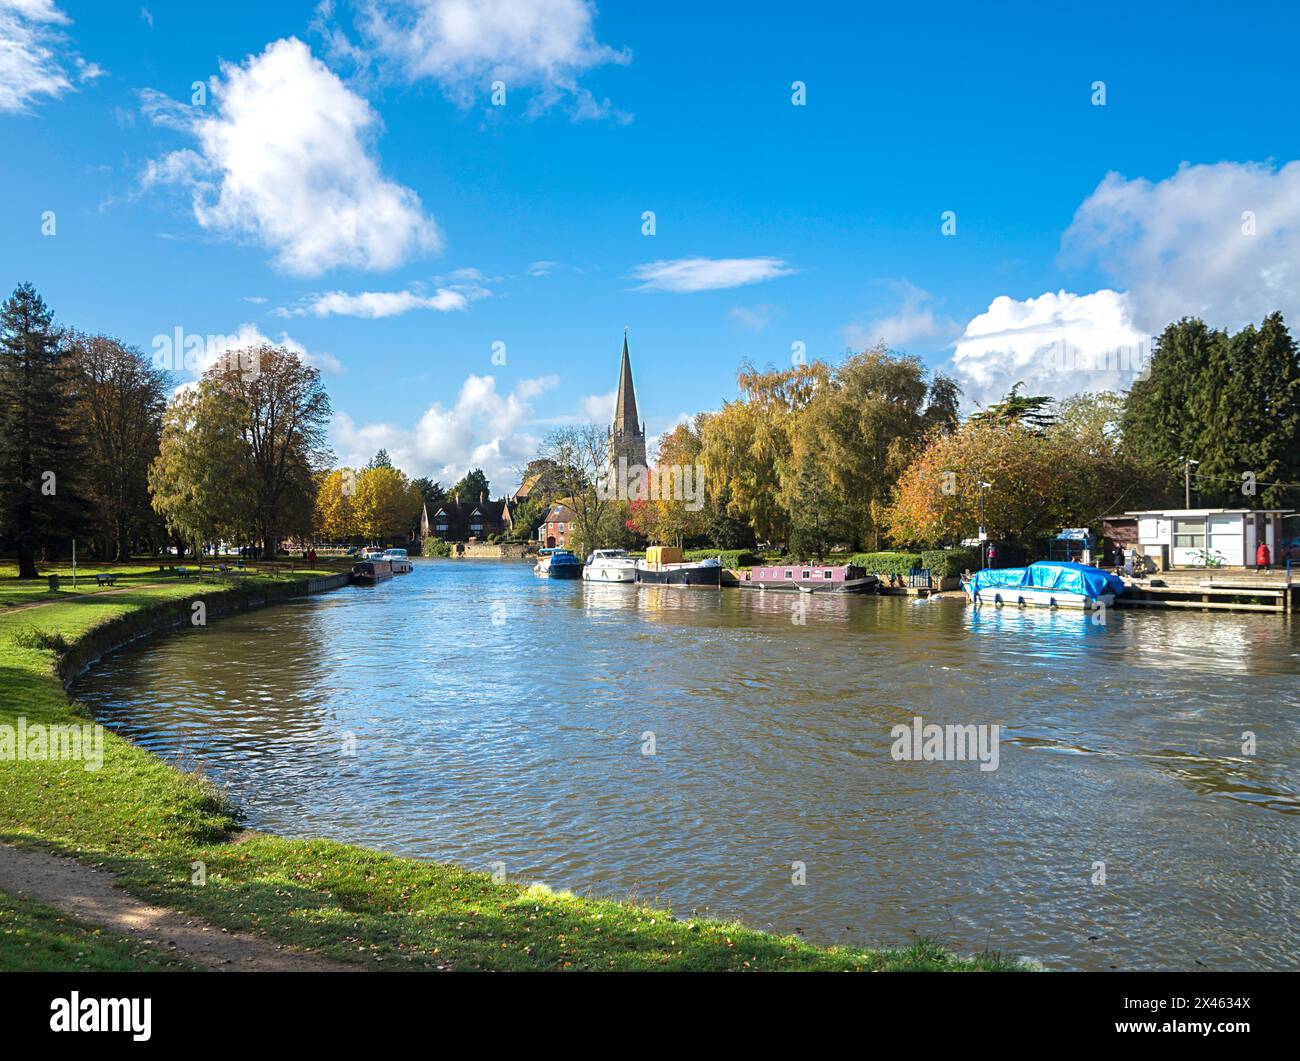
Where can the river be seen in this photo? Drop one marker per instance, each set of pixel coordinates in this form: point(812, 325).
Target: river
point(729, 753)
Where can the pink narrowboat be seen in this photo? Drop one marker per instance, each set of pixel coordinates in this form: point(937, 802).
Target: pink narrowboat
point(811, 578)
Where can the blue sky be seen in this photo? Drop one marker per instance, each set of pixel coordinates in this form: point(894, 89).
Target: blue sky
point(348, 161)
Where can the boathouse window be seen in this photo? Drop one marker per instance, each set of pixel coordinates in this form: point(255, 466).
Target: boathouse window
point(1189, 533)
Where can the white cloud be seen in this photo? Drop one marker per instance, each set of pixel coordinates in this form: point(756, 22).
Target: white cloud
point(35, 55)
point(708, 274)
point(287, 161)
point(753, 318)
point(250, 335)
point(465, 45)
point(375, 304)
point(917, 322)
point(591, 409)
point(1058, 344)
point(482, 429)
point(1181, 246)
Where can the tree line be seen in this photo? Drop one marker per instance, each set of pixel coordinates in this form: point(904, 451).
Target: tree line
point(871, 452)
point(92, 449)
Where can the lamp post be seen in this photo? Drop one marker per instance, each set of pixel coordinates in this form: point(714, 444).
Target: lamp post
point(983, 536)
point(1187, 482)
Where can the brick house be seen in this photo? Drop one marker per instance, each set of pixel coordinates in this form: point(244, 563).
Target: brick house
point(556, 529)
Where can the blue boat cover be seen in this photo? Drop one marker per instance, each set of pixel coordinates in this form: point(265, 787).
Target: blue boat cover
point(1050, 574)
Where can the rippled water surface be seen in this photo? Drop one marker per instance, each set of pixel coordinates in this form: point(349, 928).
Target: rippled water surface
point(500, 718)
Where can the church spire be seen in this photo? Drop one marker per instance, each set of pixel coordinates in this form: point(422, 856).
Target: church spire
point(625, 417)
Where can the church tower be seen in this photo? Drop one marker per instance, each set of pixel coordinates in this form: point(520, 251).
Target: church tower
point(627, 435)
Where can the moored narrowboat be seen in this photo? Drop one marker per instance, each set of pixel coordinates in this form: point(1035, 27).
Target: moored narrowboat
point(371, 572)
point(811, 578)
point(664, 565)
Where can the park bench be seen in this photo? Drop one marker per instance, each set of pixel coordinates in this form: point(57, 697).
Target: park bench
point(184, 572)
point(105, 578)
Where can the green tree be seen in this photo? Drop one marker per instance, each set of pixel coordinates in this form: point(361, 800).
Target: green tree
point(379, 460)
point(431, 492)
point(473, 486)
point(1016, 408)
point(40, 447)
point(199, 479)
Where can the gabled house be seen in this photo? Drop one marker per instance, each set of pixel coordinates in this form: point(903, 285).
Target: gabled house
point(556, 529)
point(462, 521)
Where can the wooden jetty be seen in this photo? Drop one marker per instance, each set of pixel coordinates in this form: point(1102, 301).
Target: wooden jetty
point(1238, 589)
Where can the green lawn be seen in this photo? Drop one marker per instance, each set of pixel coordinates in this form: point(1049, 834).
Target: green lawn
point(149, 823)
point(34, 938)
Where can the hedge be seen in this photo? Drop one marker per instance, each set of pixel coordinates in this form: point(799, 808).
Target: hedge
point(730, 557)
point(887, 563)
point(436, 547)
point(947, 563)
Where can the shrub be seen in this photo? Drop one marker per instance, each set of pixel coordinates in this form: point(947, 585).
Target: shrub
point(730, 557)
point(947, 563)
point(436, 547)
point(891, 563)
point(34, 638)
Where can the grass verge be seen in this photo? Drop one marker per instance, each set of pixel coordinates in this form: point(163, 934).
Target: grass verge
point(152, 825)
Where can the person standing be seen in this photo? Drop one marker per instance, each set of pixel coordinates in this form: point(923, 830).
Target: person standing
point(1263, 559)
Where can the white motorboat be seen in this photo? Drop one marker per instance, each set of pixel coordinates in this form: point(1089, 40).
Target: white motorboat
point(398, 558)
point(1046, 584)
point(609, 565)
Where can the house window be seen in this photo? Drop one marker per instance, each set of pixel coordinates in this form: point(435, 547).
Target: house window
point(442, 528)
point(476, 526)
point(1189, 533)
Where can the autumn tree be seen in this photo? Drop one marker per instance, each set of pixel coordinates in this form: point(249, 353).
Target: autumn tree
point(387, 504)
point(198, 482)
point(671, 517)
point(283, 414)
point(122, 397)
point(860, 430)
point(335, 516)
point(747, 446)
point(578, 456)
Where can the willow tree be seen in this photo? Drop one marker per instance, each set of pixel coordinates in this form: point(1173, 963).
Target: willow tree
point(861, 429)
point(748, 446)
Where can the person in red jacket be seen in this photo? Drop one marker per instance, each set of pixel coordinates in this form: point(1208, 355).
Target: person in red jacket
point(1262, 557)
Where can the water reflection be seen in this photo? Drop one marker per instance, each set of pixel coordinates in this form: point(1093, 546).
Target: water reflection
point(499, 717)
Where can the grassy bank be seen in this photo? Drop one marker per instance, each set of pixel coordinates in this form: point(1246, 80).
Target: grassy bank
point(150, 824)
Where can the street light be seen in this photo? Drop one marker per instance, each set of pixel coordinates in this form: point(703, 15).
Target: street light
point(1187, 482)
point(983, 535)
